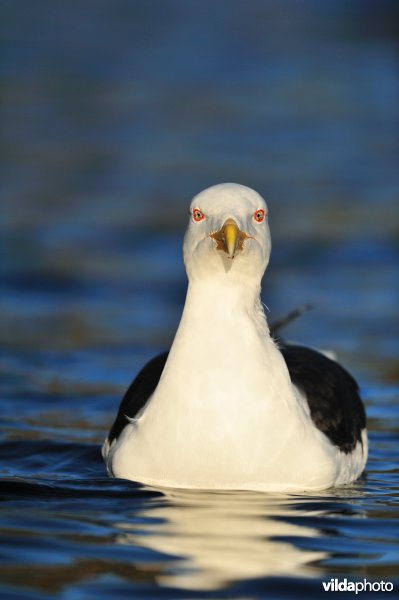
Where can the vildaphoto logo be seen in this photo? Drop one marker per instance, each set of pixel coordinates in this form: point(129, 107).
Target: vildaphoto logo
point(343, 585)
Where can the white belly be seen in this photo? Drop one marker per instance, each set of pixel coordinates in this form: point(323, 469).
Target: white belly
point(256, 453)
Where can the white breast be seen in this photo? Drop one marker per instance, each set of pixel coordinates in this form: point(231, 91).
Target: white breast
point(225, 414)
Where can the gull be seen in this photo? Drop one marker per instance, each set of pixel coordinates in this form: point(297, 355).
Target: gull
point(229, 407)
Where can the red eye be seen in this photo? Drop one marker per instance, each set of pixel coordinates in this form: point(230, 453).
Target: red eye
point(259, 215)
point(198, 215)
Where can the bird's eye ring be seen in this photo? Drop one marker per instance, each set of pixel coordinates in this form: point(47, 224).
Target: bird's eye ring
point(198, 215)
point(259, 215)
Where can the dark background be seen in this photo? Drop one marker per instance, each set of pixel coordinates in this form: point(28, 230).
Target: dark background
point(115, 114)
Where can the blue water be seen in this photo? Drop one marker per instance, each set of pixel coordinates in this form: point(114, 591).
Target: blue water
point(114, 115)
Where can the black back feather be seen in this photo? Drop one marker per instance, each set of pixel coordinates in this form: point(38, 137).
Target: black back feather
point(332, 394)
point(138, 394)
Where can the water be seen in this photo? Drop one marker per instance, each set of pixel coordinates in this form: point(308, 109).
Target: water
point(114, 115)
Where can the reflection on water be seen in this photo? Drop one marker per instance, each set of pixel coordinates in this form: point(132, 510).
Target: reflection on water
point(220, 538)
point(64, 526)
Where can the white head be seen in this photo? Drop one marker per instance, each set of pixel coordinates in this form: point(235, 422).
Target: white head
point(227, 234)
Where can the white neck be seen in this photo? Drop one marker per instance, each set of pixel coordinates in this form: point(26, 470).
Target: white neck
point(223, 352)
point(220, 308)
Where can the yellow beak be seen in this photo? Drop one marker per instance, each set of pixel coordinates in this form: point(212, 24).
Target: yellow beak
point(231, 231)
point(229, 238)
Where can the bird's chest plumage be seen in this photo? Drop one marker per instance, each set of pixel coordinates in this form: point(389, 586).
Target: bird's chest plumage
point(224, 408)
point(220, 369)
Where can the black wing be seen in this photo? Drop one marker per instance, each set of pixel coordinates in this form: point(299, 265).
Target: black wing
point(138, 393)
point(332, 394)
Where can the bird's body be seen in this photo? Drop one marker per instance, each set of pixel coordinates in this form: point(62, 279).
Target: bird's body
point(227, 408)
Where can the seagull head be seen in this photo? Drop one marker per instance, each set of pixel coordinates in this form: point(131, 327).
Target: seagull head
point(228, 233)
